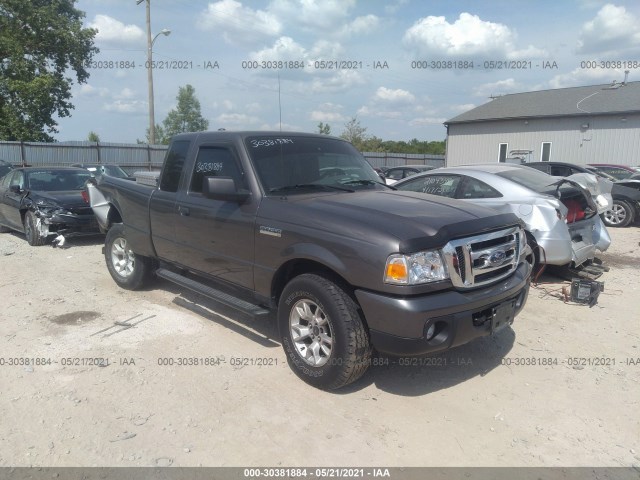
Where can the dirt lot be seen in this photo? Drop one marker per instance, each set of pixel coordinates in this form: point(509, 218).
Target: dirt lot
point(559, 389)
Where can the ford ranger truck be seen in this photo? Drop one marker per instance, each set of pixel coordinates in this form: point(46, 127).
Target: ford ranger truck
point(300, 225)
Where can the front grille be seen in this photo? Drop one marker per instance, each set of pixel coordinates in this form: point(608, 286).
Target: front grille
point(483, 259)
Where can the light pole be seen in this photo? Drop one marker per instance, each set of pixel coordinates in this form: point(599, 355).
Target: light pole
point(150, 42)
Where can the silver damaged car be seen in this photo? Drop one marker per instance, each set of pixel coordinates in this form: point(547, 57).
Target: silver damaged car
point(560, 215)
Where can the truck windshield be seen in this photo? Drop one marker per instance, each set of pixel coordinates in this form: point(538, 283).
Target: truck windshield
point(290, 163)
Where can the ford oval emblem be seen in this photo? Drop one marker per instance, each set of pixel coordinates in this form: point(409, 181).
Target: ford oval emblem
point(497, 257)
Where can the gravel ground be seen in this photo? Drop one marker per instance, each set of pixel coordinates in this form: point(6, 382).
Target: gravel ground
point(558, 389)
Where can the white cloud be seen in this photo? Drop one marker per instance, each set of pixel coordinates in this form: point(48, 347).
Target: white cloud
point(427, 121)
point(87, 90)
point(463, 108)
point(285, 48)
point(239, 24)
point(319, 116)
point(395, 6)
point(342, 81)
point(127, 106)
point(468, 35)
point(581, 77)
point(114, 31)
point(392, 103)
point(498, 88)
point(328, 112)
point(397, 96)
point(375, 111)
point(236, 120)
point(613, 30)
point(254, 107)
point(361, 25)
point(124, 94)
point(325, 50)
point(527, 53)
point(314, 15)
point(285, 127)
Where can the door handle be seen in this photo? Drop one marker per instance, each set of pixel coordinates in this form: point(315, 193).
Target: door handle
point(184, 211)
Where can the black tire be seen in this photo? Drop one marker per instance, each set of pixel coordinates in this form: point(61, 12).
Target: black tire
point(128, 269)
point(4, 229)
point(534, 258)
point(31, 232)
point(620, 215)
point(327, 312)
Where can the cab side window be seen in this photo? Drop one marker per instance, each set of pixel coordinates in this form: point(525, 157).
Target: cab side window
point(214, 162)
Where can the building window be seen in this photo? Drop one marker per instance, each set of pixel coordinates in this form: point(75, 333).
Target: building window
point(502, 152)
point(545, 153)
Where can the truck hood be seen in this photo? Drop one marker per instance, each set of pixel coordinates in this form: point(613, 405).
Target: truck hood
point(415, 220)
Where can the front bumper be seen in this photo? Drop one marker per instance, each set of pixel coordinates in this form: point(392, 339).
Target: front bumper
point(70, 224)
point(398, 325)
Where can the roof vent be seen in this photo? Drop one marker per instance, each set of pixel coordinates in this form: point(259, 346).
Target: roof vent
point(615, 85)
point(626, 76)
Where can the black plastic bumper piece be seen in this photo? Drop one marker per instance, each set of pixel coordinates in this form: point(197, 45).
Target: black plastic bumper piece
point(399, 326)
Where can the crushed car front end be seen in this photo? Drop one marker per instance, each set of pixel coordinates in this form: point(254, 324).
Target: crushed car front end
point(68, 219)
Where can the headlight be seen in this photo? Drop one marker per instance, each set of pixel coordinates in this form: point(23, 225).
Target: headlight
point(421, 267)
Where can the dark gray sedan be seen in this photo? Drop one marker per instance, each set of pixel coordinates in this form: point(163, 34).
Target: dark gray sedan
point(42, 202)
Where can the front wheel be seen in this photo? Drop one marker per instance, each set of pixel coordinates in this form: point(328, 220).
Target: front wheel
point(128, 269)
point(323, 334)
point(31, 230)
point(620, 215)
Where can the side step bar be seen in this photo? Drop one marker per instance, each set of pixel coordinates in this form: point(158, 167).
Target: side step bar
point(212, 293)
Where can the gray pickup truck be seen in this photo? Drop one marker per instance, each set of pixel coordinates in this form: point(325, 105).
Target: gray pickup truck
point(300, 224)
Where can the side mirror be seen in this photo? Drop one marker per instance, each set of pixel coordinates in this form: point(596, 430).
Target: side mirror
point(15, 189)
point(223, 188)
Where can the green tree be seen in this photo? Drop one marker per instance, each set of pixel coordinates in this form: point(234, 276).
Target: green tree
point(41, 43)
point(93, 137)
point(324, 129)
point(354, 133)
point(186, 117)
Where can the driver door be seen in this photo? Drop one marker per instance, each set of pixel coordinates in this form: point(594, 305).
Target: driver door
point(11, 201)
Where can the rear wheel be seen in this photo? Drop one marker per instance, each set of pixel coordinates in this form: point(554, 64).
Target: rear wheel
point(128, 269)
point(620, 215)
point(31, 230)
point(323, 334)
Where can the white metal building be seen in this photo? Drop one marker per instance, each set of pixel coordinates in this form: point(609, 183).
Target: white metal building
point(593, 124)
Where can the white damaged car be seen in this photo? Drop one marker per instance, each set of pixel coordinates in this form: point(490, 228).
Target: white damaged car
point(561, 215)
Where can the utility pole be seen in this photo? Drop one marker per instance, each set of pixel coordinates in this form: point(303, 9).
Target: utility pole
point(150, 42)
point(152, 121)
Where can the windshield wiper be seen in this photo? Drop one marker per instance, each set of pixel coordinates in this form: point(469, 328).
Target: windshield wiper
point(367, 182)
point(308, 186)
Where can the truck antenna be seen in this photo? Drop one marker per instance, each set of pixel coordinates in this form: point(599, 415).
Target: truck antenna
point(279, 102)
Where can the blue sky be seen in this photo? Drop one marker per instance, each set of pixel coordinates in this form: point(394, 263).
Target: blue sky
point(396, 101)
